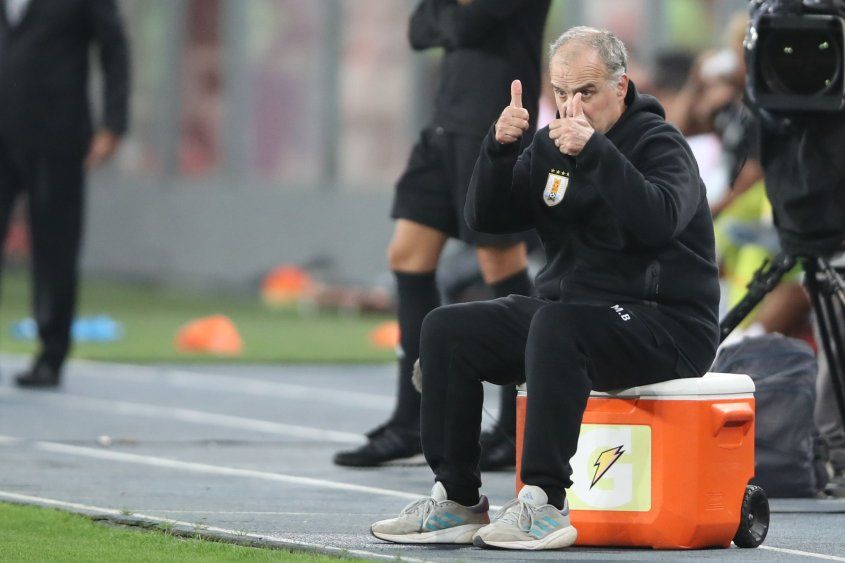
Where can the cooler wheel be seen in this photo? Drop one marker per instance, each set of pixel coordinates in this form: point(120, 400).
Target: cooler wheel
point(754, 520)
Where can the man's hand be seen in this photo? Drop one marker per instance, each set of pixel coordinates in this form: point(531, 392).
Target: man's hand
point(514, 119)
point(102, 147)
point(572, 130)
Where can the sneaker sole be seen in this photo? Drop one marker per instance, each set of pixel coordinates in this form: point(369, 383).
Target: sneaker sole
point(457, 535)
point(412, 460)
point(556, 540)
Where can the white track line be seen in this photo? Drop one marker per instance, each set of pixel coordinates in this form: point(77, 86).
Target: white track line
point(168, 463)
point(232, 384)
point(98, 510)
point(188, 415)
point(259, 512)
point(803, 553)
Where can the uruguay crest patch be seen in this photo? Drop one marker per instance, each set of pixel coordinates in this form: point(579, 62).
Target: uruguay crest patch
point(555, 187)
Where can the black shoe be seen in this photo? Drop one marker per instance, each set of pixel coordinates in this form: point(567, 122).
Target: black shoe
point(39, 375)
point(385, 444)
point(836, 486)
point(498, 450)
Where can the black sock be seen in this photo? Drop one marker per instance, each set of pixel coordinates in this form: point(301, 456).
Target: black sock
point(556, 498)
point(462, 496)
point(417, 296)
point(518, 284)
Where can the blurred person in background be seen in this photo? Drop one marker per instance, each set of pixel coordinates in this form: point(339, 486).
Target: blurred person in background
point(711, 101)
point(48, 143)
point(487, 43)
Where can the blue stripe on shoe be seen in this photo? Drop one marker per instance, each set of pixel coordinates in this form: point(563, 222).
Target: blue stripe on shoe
point(536, 533)
point(439, 521)
point(455, 519)
point(551, 521)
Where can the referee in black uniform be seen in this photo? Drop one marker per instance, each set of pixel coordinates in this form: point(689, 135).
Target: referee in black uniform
point(487, 43)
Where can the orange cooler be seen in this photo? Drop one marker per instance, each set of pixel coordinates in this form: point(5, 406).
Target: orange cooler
point(663, 465)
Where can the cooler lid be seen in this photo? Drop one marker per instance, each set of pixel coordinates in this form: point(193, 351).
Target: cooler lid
point(710, 384)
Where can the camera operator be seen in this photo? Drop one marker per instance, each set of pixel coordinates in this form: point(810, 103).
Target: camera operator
point(628, 296)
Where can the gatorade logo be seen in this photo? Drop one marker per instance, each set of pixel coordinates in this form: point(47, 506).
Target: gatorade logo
point(612, 468)
point(605, 461)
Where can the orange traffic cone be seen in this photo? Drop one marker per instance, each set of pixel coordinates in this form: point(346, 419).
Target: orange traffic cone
point(385, 335)
point(285, 285)
point(216, 334)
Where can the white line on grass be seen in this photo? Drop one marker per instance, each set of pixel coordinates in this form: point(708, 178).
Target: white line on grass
point(188, 415)
point(101, 511)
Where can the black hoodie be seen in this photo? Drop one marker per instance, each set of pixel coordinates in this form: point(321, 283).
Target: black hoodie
point(627, 222)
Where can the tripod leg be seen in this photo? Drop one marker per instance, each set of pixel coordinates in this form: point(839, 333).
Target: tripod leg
point(765, 279)
point(829, 310)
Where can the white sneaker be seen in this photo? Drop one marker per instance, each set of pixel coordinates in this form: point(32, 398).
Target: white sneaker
point(434, 520)
point(528, 522)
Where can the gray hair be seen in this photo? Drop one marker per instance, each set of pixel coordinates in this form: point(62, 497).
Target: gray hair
point(609, 47)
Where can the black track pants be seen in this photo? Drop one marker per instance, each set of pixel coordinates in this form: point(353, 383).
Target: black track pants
point(562, 350)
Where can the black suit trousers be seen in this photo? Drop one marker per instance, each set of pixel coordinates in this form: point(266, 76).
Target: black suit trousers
point(54, 188)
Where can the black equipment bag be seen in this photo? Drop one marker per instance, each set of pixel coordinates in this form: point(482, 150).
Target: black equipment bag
point(784, 372)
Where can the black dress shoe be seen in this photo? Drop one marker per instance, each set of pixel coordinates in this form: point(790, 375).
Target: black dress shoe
point(40, 375)
point(498, 450)
point(836, 486)
point(386, 444)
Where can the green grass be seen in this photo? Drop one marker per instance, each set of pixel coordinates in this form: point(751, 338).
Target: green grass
point(151, 318)
point(29, 533)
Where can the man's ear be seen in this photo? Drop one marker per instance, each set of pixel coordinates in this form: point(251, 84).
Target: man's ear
point(622, 86)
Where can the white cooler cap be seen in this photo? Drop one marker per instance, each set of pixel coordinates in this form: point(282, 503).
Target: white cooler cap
point(710, 384)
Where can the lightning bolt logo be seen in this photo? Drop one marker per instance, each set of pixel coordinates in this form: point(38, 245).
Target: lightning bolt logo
point(605, 461)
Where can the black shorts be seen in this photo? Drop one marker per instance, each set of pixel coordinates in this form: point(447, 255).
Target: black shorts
point(433, 189)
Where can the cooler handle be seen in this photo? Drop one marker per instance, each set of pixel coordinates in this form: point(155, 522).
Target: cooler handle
point(732, 415)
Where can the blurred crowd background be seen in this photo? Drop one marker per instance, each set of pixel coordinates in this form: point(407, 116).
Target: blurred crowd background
point(266, 132)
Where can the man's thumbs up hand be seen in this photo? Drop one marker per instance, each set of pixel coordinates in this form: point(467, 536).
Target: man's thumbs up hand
point(516, 94)
point(514, 119)
point(576, 109)
point(572, 131)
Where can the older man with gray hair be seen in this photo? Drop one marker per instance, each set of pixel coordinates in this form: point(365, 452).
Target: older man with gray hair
point(628, 296)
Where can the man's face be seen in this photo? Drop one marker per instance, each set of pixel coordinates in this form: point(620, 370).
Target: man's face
point(578, 68)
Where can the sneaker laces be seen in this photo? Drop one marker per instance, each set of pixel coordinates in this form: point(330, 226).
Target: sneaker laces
point(423, 507)
point(521, 517)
